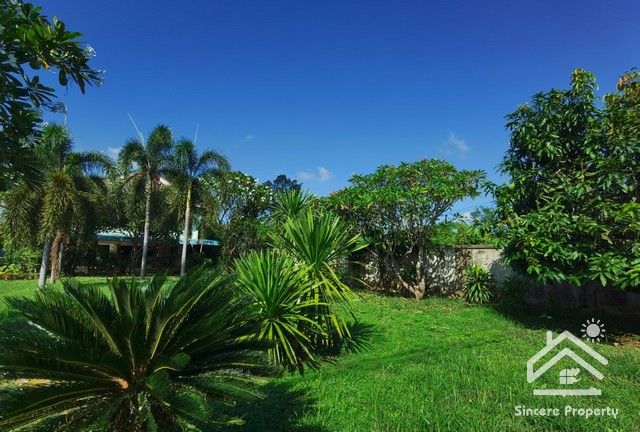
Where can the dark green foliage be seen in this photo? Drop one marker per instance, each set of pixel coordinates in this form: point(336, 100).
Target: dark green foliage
point(30, 42)
point(282, 183)
point(513, 289)
point(478, 285)
point(571, 211)
point(145, 357)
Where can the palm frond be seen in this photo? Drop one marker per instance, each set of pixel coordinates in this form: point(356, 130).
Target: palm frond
point(148, 355)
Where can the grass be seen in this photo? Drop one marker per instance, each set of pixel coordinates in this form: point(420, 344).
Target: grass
point(440, 365)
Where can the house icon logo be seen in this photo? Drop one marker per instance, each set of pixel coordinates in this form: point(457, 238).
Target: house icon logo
point(567, 376)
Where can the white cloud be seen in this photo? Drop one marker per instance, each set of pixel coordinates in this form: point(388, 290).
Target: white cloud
point(321, 175)
point(458, 143)
point(113, 152)
point(455, 146)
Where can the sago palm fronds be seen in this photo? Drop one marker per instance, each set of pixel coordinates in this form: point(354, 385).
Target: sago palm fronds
point(154, 357)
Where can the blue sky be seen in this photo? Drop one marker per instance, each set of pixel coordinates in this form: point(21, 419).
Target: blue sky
point(318, 90)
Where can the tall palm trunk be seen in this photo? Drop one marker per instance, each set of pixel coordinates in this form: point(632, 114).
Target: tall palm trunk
point(42, 281)
point(56, 256)
point(185, 233)
point(147, 224)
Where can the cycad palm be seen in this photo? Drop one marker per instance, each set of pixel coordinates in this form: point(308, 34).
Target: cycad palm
point(66, 198)
point(146, 358)
point(153, 160)
point(191, 168)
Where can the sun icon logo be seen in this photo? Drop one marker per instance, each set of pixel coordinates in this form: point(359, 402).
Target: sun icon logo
point(593, 330)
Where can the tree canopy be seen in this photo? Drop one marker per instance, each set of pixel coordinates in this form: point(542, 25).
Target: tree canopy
point(30, 42)
point(571, 211)
point(397, 209)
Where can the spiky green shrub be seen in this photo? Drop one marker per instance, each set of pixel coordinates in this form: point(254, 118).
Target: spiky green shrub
point(145, 357)
point(291, 203)
point(478, 285)
point(320, 242)
point(278, 288)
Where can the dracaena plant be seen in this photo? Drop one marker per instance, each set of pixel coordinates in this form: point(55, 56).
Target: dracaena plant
point(153, 356)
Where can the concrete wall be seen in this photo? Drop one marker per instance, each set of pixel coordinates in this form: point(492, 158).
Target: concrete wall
point(447, 278)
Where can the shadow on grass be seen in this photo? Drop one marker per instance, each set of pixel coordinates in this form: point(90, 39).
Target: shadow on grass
point(281, 406)
point(278, 411)
point(619, 328)
point(360, 341)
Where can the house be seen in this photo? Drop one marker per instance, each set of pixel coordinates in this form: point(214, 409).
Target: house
point(116, 249)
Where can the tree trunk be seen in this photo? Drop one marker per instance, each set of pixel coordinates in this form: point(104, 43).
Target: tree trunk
point(147, 224)
point(185, 233)
point(418, 289)
point(42, 281)
point(56, 256)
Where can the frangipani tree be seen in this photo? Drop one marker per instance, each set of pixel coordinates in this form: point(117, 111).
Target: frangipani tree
point(32, 43)
point(397, 209)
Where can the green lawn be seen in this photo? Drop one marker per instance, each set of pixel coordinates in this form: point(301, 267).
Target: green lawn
point(440, 364)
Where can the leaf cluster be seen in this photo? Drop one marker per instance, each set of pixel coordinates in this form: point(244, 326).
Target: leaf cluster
point(571, 211)
point(30, 42)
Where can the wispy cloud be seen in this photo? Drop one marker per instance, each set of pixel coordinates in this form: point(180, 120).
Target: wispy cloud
point(320, 175)
point(113, 152)
point(455, 146)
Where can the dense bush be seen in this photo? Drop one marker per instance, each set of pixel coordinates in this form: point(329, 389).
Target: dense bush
point(19, 263)
point(570, 211)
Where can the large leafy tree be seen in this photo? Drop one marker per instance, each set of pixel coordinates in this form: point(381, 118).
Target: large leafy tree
point(148, 161)
point(237, 213)
point(571, 210)
point(155, 357)
point(397, 209)
point(29, 43)
point(67, 198)
point(191, 169)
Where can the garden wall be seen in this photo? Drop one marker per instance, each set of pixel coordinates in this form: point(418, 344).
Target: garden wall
point(449, 264)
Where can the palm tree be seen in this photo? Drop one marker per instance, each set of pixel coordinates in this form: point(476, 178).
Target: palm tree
point(148, 357)
point(151, 159)
point(66, 198)
point(191, 168)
